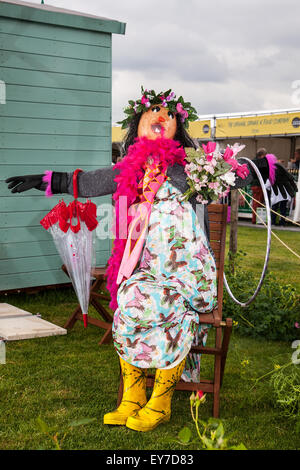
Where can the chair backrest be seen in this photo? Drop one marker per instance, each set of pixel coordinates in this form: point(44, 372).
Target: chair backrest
point(217, 214)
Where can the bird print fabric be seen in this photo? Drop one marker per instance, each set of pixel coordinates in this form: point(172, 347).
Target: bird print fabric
point(174, 282)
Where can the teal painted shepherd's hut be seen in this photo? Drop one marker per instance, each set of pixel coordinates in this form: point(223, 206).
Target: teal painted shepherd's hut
point(55, 113)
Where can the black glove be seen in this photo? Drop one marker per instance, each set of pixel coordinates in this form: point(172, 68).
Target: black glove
point(284, 182)
point(263, 166)
point(18, 184)
point(283, 179)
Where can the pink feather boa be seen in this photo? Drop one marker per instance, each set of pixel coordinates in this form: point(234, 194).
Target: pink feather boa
point(47, 179)
point(272, 160)
point(166, 151)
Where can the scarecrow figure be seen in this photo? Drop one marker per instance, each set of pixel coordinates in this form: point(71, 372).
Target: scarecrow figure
point(162, 273)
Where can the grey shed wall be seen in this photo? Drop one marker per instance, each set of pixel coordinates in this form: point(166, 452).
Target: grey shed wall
point(57, 73)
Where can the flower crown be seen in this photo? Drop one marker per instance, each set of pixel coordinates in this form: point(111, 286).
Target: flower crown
point(166, 99)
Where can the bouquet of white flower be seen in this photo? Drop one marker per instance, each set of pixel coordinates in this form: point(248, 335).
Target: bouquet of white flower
point(211, 173)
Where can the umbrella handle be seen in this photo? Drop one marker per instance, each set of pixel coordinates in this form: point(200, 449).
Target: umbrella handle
point(74, 205)
point(75, 185)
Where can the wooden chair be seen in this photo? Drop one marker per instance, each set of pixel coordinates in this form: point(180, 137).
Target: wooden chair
point(217, 222)
point(95, 296)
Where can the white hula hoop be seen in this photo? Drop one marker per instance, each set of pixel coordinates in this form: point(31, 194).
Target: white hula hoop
point(245, 304)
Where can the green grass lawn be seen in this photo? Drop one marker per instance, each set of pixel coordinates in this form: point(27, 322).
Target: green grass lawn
point(71, 377)
point(282, 262)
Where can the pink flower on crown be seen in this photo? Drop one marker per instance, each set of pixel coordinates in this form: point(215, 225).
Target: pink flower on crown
point(184, 114)
point(170, 96)
point(145, 101)
point(164, 102)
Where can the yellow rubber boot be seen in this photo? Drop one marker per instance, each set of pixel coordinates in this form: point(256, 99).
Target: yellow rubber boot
point(134, 394)
point(158, 408)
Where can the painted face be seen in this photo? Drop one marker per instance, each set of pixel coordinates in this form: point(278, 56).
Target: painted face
point(157, 122)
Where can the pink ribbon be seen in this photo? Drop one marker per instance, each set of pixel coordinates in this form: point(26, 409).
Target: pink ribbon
point(150, 184)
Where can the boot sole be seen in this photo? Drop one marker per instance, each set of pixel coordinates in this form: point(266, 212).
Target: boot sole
point(115, 421)
point(110, 418)
point(131, 423)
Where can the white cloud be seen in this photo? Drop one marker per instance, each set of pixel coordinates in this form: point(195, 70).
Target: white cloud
point(222, 56)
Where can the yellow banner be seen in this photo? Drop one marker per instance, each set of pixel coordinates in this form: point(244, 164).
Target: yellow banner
point(197, 130)
point(200, 129)
point(274, 124)
point(117, 134)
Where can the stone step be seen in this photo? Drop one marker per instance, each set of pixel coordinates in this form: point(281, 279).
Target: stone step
point(16, 324)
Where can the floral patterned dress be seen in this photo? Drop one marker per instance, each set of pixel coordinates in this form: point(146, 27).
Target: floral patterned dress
point(175, 280)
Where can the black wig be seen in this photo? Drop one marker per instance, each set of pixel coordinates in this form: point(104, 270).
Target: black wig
point(181, 134)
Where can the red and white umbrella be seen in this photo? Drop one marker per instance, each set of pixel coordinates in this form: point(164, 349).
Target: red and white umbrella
point(72, 227)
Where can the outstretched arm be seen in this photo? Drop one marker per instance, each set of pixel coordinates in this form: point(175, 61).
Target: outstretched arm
point(270, 170)
point(90, 184)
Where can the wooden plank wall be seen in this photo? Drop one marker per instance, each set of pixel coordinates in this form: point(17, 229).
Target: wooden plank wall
point(57, 116)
